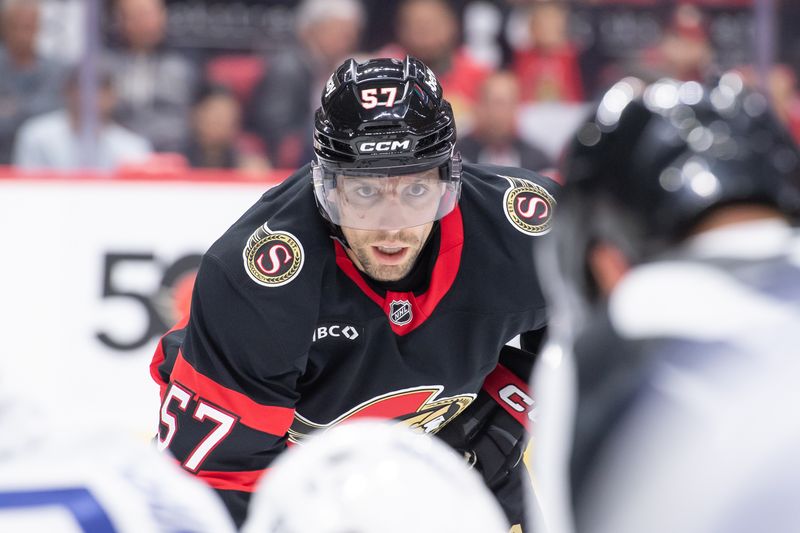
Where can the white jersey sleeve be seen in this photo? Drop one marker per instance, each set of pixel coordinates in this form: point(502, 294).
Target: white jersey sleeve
point(102, 485)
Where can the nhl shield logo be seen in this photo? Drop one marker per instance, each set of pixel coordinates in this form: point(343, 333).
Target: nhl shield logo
point(400, 312)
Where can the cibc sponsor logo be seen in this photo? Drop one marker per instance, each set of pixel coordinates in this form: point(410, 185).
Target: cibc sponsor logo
point(335, 331)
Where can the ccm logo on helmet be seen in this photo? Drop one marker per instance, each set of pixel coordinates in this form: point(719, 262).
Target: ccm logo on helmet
point(518, 400)
point(384, 146)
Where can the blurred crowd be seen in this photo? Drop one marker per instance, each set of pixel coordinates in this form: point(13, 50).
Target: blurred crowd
point(517, 72)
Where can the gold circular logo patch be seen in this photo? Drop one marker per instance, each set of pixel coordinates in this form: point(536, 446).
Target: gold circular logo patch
point(529, 208)
point(273, 258)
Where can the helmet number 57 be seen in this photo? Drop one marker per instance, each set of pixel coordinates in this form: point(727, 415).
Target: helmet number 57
point(369, 97)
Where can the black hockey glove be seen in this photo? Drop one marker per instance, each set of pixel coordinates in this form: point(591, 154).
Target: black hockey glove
point(492, 433)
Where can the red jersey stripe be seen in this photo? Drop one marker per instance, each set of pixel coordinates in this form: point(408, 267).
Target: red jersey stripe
point(266, 418)
point(159, 357)
point(444, 271)
point(244, 481)
point(347, 266)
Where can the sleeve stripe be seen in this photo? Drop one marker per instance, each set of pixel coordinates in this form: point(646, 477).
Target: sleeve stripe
point(244, 481)
point(266, 418)
point(158, 357)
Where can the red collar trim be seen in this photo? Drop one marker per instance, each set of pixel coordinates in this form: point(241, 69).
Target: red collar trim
point(442, 278)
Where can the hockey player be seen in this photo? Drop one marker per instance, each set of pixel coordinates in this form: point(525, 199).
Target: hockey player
point(61, 477)
point(680, 299)
point(369, 476)
point(382, 280)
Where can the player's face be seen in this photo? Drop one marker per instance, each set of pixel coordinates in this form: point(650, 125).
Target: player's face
point(386, 255)
point(389, 202)
point(387, 220)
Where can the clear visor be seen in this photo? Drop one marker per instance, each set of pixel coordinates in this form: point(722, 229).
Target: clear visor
point(372, 200)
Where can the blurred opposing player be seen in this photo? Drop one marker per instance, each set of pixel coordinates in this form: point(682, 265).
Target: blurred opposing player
point(56, 480)
point(373, 476)
point(676, 288)
point(382, 280)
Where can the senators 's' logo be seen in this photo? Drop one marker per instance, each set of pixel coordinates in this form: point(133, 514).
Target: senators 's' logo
point(529, 207)
point(417, 408)
point(272, 258)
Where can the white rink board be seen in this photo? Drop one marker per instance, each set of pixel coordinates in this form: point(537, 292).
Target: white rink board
point(56, 236)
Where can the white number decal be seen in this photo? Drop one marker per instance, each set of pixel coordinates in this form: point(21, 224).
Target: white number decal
point(392, 92)
point(167, 418)
point(329, 86)
point(225, 422)
point(369, 97)
point(430, 81)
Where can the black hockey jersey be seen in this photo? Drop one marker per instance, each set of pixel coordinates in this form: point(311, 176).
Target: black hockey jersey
point(286, 336)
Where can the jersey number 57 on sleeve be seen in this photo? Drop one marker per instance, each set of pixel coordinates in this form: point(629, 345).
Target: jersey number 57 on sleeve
point(224, 424)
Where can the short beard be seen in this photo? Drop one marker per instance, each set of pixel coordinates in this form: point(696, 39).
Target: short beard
point(388, 272)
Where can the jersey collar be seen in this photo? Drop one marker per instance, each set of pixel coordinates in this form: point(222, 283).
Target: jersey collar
point(405, 310)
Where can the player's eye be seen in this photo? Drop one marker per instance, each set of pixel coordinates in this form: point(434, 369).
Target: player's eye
point(417, 190)
point(366, 191)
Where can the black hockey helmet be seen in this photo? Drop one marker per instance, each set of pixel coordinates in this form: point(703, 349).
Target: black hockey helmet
point(652, 160)
point(384, 143)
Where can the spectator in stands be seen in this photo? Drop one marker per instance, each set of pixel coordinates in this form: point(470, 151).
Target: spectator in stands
point(216, 139)
point(154, 85)
point(328, 32)
point(684, 51)
point(29, 84)
point(781, 87)
point(785, 99)
point(429, 30)
point(53, 140)
point(548, 69)
point(495, 137)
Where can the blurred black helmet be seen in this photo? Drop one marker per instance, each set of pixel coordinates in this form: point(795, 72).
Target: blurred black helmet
point(652, 160)
point(384, 118)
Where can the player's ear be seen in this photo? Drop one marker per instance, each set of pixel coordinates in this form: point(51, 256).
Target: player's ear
point(607, 265)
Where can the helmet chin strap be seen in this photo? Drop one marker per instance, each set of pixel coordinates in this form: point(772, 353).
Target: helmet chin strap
point(337, 234)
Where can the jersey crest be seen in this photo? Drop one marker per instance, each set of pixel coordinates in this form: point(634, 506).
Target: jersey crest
point(417, 408)
point(273, 258)
point(528, 206)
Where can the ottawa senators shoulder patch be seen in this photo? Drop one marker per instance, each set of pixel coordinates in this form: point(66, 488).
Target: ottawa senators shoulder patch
point(273, 258)
point(528, 206)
